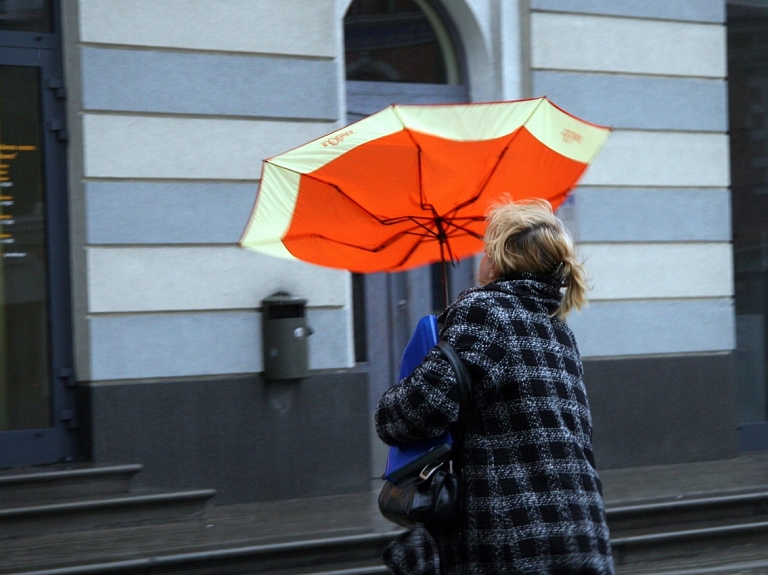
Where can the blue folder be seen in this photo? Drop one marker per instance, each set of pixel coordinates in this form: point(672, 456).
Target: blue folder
point(405, 459)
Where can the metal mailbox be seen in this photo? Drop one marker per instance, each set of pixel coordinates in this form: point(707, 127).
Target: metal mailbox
point(284, 337)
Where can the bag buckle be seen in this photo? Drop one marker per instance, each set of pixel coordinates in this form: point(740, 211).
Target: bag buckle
point(429, 469)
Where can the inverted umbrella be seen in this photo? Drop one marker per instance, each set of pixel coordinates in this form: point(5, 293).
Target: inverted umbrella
point(411, 184)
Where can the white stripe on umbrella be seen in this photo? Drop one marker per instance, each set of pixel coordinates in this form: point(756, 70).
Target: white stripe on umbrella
point(314, 155)
point(569, 136)
point(470, 122)
point(270, 222)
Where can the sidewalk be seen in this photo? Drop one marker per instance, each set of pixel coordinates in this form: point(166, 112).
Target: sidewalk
point(745, 472)
point(351, 516)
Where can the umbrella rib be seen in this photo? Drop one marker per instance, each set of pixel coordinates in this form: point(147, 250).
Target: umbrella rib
point(449, 232)
point(373, 249)
point(472, 199)
point(466, 230)
point(422, 199)
point(408, 254)
point(400, 219)
point(564, 193)
point(503, 153)
point(338, 189)
point(408, 232)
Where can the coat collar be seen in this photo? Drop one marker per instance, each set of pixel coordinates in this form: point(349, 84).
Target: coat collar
point(541, 291)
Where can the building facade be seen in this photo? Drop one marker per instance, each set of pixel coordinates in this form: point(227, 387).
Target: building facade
point(132, 134)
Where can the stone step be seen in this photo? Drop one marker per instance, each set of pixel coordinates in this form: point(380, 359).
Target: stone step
point(717, 546)
point(713, 509)
point(346, 555)
point(102, 512)
point(705, 533)
point(746, 562)
point(53, 483)
point(758, 567)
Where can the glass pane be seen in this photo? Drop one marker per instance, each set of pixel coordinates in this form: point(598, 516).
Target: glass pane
point(24, 367)
point(748, 101)
point(391, 41)
point(26, 15)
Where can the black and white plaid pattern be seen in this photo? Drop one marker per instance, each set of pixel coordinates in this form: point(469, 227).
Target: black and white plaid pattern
point(413, 553)
point(532, 500)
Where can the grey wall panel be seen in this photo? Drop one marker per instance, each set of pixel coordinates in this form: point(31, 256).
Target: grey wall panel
point(580, 43)
point(296, 27)
point(658, 410)
point(662, 159)
point(698, 11)
point(637, 327)
point(178, 147)
point(249, 440)
point(211, 84)
point(638, 102)
point(149, 345)
point(168, 345)
point(167, 213)
point(648, 215)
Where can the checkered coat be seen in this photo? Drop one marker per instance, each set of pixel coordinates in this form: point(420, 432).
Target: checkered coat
point(531, 502)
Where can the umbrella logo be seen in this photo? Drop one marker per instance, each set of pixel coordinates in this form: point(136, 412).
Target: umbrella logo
point(569, 136)
point(337, 139)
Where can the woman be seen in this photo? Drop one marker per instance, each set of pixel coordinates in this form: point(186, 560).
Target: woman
point(531, 501)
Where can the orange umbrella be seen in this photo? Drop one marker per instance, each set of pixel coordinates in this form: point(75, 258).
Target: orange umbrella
point(410, 185)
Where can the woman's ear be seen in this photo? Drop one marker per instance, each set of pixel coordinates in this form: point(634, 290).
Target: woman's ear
point(487, 271)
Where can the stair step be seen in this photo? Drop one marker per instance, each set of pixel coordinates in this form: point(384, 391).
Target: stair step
point(728, 567)
point(65, 482)
point(347, 555)
point(103, 512)
point(679, 514)
point(373, 570)
point(696, 544)
point(748, 561)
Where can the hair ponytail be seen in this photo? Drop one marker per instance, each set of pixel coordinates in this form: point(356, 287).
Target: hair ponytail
point(526, 236)
point(576, 286)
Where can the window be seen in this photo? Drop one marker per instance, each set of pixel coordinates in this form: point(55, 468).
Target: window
point(26, 15)
point(24, 365)
point(748, 102)
point(37, 403)
point(398, 41)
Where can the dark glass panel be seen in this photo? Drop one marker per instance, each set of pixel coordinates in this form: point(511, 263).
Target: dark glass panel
point(391, 41)
point(748, 103)
point(26, 15)
point(24, 362)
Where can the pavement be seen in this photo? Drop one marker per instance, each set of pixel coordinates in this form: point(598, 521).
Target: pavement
point(745, 472)
point(269, 523)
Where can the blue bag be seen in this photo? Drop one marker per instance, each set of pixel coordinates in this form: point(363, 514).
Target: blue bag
point(404, 460)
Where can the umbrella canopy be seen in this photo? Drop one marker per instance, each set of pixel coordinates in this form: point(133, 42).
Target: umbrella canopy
point(410, 185)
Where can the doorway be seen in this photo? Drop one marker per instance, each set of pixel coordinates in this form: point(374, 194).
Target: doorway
point(405, 52)
point(38, 420)
point(748, 115)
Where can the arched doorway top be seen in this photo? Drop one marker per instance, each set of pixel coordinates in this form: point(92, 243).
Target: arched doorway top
point(400, 41)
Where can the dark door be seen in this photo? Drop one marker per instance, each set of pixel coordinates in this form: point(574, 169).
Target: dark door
point(389, 305)
point(405, 52)
point(37, 410)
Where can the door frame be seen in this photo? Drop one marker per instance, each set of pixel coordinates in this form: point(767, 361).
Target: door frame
point(60, 441)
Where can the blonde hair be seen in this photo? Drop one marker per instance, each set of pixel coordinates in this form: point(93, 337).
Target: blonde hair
point(526, 236)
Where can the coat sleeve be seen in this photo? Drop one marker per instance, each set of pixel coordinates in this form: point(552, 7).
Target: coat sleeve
point(425, 404)
point(421, 406)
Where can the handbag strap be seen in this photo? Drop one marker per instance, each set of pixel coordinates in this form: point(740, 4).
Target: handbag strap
point(465, 389)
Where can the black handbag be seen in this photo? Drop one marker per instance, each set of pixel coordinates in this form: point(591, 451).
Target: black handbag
point(429, 496)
